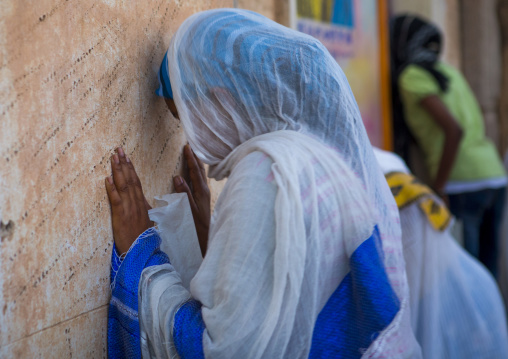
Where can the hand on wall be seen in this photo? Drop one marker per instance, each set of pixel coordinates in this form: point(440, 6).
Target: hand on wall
point(199, 196)
point(129, 208)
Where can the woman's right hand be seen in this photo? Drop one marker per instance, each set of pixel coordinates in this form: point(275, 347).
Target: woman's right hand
point(199, 197)
point(129, 208)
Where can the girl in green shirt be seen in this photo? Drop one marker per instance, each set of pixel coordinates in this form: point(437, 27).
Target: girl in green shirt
point(437, 107)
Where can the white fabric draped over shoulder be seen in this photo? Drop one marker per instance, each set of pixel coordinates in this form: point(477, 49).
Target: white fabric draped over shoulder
point(270, 109)
point(390, 162)
point(456, 308)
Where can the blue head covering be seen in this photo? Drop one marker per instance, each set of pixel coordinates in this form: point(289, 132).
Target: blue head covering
point(164, 89)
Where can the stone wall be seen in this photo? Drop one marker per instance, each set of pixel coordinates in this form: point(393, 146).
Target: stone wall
point(277, 10)
point(264, 7)
point(77, 79)
point(481, 60)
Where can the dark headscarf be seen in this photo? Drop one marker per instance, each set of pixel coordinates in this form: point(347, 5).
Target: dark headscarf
point(414, 41)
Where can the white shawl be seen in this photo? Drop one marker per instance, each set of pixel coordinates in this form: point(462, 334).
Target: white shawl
point(270, 109)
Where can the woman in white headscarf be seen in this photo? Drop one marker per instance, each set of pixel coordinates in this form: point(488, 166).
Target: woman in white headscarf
point(456, 308)
point(303, 255)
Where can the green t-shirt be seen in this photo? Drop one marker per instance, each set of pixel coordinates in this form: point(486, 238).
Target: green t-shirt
point(477, 158)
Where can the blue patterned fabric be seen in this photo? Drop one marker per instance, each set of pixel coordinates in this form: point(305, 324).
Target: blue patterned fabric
point(363, 305)
point(123, 322)
point(164, 89)
point(188, 331)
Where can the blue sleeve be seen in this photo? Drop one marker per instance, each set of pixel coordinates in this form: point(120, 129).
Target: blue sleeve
point(123, 322)
point(188, 331)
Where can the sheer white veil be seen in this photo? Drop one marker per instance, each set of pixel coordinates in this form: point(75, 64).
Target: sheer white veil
point(237, 76)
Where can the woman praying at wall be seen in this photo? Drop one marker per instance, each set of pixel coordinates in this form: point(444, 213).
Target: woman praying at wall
point(435, 102)
point(302, 256)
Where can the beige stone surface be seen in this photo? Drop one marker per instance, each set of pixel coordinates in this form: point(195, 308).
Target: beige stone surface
point(481, 58)
point(264, 7)
point(76, 80)
point(81, 337)
point(277, 10)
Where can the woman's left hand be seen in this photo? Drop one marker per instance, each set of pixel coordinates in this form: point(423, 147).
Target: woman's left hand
point(129, 208)
point(199, 197)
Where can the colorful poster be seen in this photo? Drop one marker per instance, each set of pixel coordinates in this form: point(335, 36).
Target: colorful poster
point(349, 29)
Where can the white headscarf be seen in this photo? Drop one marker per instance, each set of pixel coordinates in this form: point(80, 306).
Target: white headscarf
point(236, 75)
point(244, 84)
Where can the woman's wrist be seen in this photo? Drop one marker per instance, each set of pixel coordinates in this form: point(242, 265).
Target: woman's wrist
point(137, 254)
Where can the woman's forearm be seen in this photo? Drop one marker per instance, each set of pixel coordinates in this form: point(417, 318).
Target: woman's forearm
point(453, 135)
point(450, 150)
